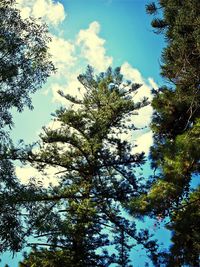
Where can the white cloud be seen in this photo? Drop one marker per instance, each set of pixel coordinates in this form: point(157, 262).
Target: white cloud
point(74, 88)
point(51, 12)
point(25, 174)
point(144, 114)
point(135, 76)
point(25, 12)
point(55, 87)
point(92, 47)
point(54, 125)
point(61, 50)
point(143, 143)
point(143, 119)
point(70, 58)
point(153, 83)
point(63, 57)
point(131, 73)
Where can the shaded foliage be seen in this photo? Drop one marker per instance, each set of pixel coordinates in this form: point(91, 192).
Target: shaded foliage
point(24, 67)
point(175, 124)
point(186, 238)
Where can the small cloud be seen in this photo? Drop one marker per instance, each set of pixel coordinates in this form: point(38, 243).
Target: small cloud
point(26, 174)
point(62, 52)
point(153, 83)
point(25, 12)
point(71, 84)
point(55, 87)
point(144, 142)
point(143, 119)
point(54, 125)
point(144, 114)
point(131, 73)
point(51, 12)
point(92, 47)
point(135, 76)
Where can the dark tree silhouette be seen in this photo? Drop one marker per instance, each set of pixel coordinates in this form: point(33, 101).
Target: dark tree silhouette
point(176, 128)
point(24, 66)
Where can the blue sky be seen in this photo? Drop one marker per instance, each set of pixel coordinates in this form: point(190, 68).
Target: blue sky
point(96, 32)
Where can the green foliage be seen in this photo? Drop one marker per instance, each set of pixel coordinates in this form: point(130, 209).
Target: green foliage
point(177, 110)
point(24, 67)
point(83, 216)
point(186, 238)
point(175, 124)
point(24, 64)
point(46, 258)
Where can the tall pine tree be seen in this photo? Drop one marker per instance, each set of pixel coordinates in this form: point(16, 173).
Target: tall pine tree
point(83, 216)
point(176, 127)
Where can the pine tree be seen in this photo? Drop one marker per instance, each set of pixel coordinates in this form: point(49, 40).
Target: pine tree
point(175, 124)
point(83, 216)
point(185, 226)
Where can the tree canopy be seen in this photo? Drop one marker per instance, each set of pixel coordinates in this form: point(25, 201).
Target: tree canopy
point(175, 124)
point(24, 66)
point(25, 63)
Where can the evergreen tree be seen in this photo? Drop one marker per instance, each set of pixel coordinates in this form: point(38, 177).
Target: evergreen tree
point(83, 216)
point(46, 258)
point(176, 128)
point(24, 67)
point(186, 238)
